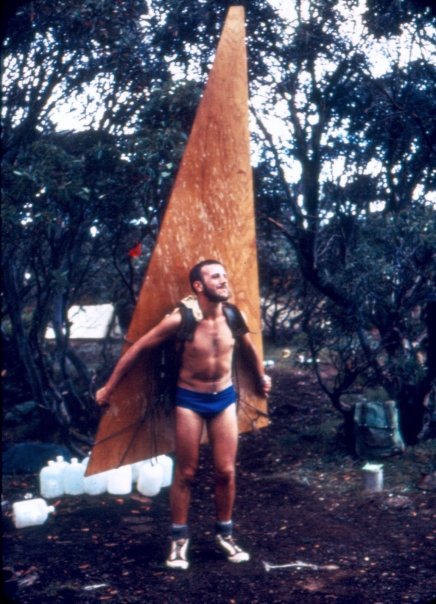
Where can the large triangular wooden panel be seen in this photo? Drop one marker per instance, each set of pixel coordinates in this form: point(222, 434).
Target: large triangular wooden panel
point(210, 214)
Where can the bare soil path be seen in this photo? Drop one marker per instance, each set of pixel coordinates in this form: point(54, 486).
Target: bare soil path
point(300, 499)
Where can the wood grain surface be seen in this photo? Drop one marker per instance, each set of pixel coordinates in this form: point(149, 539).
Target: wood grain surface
point(210, 214)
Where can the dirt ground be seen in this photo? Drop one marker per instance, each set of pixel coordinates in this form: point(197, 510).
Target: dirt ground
point(300, 500)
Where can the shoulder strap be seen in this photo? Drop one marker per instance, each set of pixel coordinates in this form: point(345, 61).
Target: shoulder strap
point(235, 320)
point(233, 315)
point(188, 325)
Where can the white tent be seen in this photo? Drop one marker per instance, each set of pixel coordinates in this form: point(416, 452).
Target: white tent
point(91, 322)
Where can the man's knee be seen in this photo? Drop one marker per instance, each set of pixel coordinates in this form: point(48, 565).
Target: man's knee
point(225, 475)
point(185, 474)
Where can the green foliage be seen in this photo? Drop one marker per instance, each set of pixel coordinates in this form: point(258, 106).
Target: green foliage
point(349, 185)
point(346, 217)
point(75, 203)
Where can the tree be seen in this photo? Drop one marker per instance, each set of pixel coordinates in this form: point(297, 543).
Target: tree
point(75, 204)
point(360, 217)
point(346, 217)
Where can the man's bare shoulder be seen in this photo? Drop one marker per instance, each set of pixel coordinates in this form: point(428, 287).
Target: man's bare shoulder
point(170, 325)
point(166, 328)
point(172, 320)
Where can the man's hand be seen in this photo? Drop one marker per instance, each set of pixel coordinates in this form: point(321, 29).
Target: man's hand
point(266, 384)
point(102, 397)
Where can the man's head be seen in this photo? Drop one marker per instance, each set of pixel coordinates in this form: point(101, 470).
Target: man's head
point(209, 278)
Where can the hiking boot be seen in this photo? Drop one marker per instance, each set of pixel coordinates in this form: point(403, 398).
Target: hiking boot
point(233, 552)
point(178, 554)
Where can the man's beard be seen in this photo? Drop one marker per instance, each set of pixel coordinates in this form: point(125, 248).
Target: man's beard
point(215, 296)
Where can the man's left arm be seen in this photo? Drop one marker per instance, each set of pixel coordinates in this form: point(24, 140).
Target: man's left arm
point(263, 381)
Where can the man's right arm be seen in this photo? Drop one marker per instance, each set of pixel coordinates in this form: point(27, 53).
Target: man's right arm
point(158, 334)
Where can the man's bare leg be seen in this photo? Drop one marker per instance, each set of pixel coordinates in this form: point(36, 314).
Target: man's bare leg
point(189, 426)
point(223, 436)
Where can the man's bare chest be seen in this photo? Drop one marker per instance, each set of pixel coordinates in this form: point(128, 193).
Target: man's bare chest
point(212, 338)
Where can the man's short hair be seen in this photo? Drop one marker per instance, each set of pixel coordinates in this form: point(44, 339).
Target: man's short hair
point(195, 272)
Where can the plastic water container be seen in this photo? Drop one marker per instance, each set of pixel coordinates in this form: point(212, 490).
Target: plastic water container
point(119, 480)
point(30, 512)
point(73, 475)
point(61, 461)
point(96, 484)
point(135, 470)
point(167, 465)
point(373, 477)
point(50, 480)
point(150, 478)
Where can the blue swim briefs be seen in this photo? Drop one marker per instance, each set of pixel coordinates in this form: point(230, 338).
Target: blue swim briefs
point(206, 404)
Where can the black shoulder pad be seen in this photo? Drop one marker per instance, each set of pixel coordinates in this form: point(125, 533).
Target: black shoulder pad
point(188, 325)
point(235, 320)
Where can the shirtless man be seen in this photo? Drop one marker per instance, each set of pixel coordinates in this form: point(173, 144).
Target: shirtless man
point(205, 394)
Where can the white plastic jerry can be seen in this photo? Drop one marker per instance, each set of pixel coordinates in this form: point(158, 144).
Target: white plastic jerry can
point(119, 481)
point(150, 478)
point(135, 470)
point(167, 465)
point(373, 477)
point(96, 484)
point(30, 512)
point(73, 474)
point(61, 461)
point(50, 480)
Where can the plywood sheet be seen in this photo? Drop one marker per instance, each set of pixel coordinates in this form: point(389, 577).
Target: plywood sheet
point(210, 214)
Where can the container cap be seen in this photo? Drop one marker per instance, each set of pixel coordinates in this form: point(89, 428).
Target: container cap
point(372, 467)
